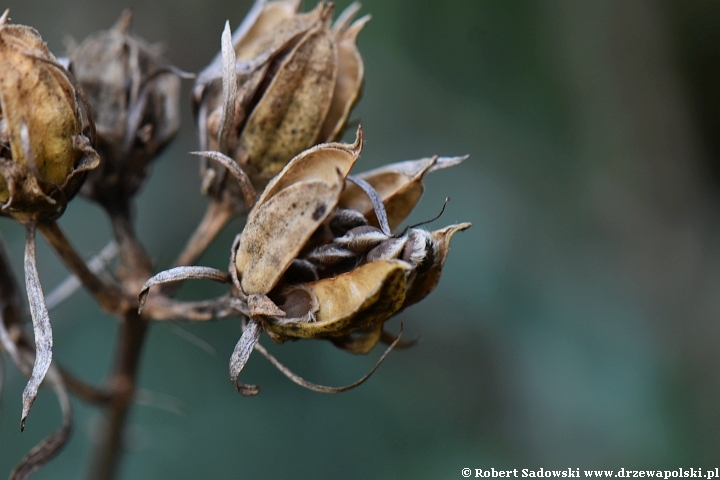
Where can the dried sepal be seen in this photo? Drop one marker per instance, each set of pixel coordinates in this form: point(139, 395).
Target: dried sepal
point(136, 100)
point(44, 153)
point(49, 447)
point(41, 326)
point(399, 185)
point(241, 354)
point(321, 388)
point(290, 209)
point(363, 297)
point(179, 274)
point(246, 186)
point(425, 282)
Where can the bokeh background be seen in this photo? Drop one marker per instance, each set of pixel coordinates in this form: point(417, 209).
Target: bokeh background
point(577, 321)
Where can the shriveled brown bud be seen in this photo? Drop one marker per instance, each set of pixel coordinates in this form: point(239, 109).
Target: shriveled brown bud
point(285, 81)
point(44, 152)
point(136, 101)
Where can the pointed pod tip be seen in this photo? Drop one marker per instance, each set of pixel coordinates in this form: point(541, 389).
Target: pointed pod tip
point(22, 424)
point(124, 22)
point(5, 18)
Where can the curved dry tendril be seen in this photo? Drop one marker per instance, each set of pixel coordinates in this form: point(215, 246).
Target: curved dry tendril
point(245, 184)
point(377, 203)
point(241, 354)
point(41, 325)
point(178, 274)
point(321, 388)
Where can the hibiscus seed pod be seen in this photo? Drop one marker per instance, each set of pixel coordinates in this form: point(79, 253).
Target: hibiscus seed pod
point(136, 101)
point(44, 152)
point(294, 82)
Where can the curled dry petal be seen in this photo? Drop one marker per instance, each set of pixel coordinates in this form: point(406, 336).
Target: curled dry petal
point(41, 326)
point(178, 274)
point(424, 283)
point(290, 209)
point(43, 152)
point(400, 185)
point(361, 298)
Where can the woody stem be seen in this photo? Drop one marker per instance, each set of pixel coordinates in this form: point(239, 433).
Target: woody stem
point(108, 295)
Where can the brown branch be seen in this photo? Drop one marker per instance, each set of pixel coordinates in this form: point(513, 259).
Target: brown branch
point(122, 389)
point(107, 295)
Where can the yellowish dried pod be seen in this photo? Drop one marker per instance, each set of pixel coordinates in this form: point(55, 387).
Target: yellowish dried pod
point(399, 185)
point(43, 151)
point(361, 298)
point(294, 82)
point(290, 209)
point(425, 282)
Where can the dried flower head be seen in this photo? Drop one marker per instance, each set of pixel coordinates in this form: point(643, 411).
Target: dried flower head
point(284, 81)
point(44, 150)
point(305, 267)
point(136, 100)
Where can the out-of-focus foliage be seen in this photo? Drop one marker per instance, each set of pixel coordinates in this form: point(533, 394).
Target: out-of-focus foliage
point(577, 321)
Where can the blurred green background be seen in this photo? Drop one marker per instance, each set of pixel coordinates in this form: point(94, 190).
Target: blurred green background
point(577, 321)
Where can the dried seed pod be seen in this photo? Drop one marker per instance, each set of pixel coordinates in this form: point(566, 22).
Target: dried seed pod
point(361, 298)
point(290, 209)
point(44, 152)
point(285, 81)
point(399, 185)
point(136, 101)
point(425, 281)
